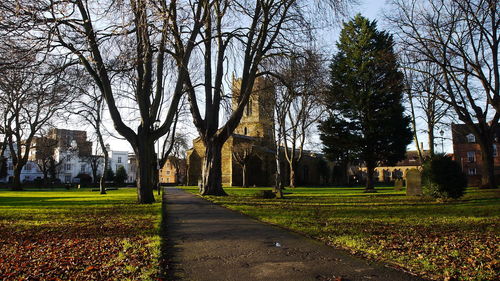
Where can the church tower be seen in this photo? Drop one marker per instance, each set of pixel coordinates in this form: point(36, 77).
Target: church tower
point(258, 115)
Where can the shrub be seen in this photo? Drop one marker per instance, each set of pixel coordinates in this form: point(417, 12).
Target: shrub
point(84, 178)
point(443, 178)
point(121, 175)
point(265, 194)
point(109, 175)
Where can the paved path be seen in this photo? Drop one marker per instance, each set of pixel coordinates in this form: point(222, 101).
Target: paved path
point(209, 242)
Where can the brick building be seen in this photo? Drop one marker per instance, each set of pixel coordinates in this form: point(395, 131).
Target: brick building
point(467, 152)
point(174, 171)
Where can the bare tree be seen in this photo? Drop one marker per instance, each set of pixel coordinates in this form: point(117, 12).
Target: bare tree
point(178, 154)
point(149, 41)
point(90, 108)
point(459, 39)
point(96, 161)
point(242, 155)
point(44, 148)
point(31, 96)
point(423, 91)
point(298, 100)
point(240, 33)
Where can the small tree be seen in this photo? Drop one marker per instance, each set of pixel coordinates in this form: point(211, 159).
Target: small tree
point(109, 175)
point(242, 154)
point(121, 175)
point(443, 178)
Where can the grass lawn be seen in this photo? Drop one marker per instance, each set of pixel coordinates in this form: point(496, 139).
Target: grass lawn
point(452, 240)
point(78, 235)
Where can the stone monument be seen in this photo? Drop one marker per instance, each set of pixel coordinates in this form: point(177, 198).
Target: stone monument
point(413, 183)
point(398, 184)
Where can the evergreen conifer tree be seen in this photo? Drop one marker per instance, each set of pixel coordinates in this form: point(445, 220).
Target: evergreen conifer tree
point(121, 175)
point(365, 99)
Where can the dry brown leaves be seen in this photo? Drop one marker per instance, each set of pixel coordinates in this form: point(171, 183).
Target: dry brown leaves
point(92, 249)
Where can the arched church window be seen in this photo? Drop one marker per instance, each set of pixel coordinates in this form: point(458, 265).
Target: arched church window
point(245, 131)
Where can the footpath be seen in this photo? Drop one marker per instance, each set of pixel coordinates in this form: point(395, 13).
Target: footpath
point(206, 242)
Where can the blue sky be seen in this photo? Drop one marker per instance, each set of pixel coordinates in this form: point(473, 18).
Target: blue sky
point(371, 9)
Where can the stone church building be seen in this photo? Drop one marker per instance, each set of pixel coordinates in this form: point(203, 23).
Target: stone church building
point(256, 131)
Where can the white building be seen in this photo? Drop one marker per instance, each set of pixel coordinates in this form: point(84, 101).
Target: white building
point(117, 159)
point(72, 165)
point(132, 168)
point(29, 173)
point(70, 151)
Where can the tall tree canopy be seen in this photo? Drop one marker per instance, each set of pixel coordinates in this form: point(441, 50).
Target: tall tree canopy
point(459, 41)
point(365, 98)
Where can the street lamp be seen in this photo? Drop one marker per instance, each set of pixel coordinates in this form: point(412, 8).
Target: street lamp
point(442, 140)
point(156, 125)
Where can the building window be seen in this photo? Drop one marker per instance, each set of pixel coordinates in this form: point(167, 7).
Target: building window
point(11, 167)
point(249, 108)
point(119, 160)
point(82, 168)
point(28, 167)
point(68, 157)
point(67, 178)
point(245, 131)
point(495, 150)
point(168, 172)
point(68, 167)
point(471, 138)
point(472, 171)
point(471, 156)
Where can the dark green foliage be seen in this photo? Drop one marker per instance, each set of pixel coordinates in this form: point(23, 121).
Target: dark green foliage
point(323, 171)
point(84, 178)
point(442, 177)
point(367, 120)
point(109, 175)
point(265, 194)
point(121, 175)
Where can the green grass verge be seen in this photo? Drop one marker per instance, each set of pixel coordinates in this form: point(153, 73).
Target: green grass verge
point(457, 239)
point(78, 235)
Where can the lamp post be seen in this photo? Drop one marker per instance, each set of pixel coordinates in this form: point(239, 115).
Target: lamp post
point(156, 125)
point(442, 140)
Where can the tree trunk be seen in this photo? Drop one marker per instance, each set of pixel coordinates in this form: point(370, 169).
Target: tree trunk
point(278, 186)
point(102, 183)
point(430, 129)
point(488, 165)
point(16, 184)
point(45, 177)
point(212, 170)
point(146, 164)
point(370, 180)
point(94, 176)
point(292, 175)
point(156, 175)
point(345, 172)
point(244, 168)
